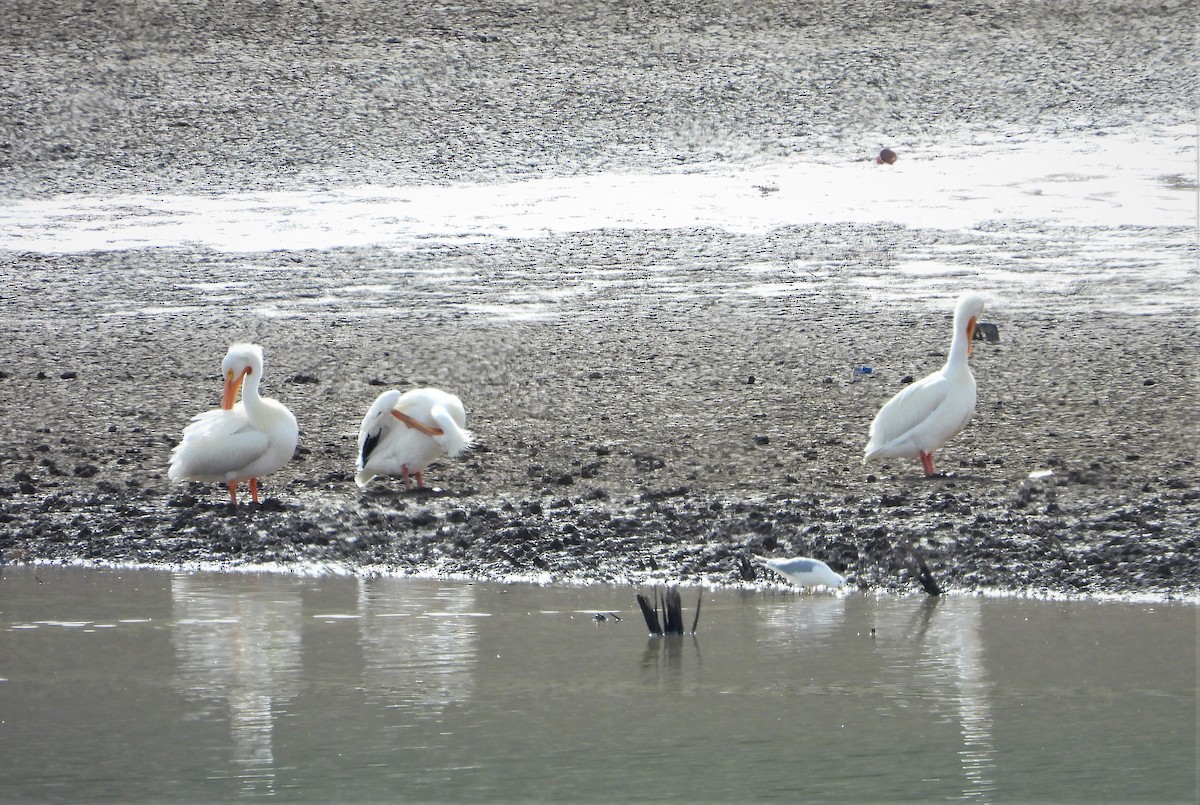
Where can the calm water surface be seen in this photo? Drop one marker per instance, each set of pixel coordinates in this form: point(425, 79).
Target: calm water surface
point(1101, 211)
point(136, 685)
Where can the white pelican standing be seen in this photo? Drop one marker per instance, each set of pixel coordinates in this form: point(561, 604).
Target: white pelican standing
point(804, 572)
point(403, 433)
point(238, 442)
point(928, 413)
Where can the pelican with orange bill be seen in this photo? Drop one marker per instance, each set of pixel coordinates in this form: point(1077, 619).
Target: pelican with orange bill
point(926, 414)
point(242, 440)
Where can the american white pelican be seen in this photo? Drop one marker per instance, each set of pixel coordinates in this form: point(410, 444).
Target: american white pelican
point(928, 413)
point(804, 572)
point(238, 442)
point(403, 433)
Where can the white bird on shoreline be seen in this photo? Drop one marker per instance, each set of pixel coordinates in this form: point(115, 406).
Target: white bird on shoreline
point(928, 413)
point(804, 572)
point(403, 433)
point(237, 442)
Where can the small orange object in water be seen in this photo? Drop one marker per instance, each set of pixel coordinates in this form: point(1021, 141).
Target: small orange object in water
point(886, 157)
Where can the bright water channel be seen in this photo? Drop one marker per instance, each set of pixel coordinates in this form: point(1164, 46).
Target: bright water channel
point(152, 685)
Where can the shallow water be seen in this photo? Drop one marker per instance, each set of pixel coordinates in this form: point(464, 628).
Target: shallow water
point(156, 685)
point(1046, 219)
point(1084, 180)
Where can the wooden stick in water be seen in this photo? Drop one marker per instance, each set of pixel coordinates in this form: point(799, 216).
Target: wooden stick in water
point(650, 614)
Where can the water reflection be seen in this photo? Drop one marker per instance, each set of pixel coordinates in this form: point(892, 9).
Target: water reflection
point(814, 619)
point(935, 657)
point(240, 655)
point(932, 663)
point(665, 658)
point(418, 653)
point(238, 647)
point(346, 689)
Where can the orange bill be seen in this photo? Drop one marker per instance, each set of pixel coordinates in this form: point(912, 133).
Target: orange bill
point(232, 386)
point(421, 426)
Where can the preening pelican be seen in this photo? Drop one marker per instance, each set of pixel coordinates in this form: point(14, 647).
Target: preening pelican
point(928, 413)
point(403, 433)
point(238, 442)
point(804, 572)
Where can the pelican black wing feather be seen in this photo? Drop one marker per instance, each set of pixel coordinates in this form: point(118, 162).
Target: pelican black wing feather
point(370, 443)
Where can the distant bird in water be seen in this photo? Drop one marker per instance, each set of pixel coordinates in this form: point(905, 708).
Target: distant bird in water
point(403, 433)
point(240, 441)
point(886, 157)
point(804, 572)
point(926, 414)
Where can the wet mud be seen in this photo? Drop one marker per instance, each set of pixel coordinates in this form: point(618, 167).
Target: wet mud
point(649, 405)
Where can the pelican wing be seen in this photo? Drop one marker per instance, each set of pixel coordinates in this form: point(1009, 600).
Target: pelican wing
point(909, 409)
point(375, 425)
point(215, 424)
point(215, 444)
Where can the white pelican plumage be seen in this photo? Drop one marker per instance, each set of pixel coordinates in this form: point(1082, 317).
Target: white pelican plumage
point(928, 413)
point(403, 433)
point(239, 442)
point(804, 572)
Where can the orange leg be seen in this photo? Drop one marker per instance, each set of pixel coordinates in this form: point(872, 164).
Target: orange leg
point(233, 493)
point(927, 463)
point(254, 489)
point(409, 476)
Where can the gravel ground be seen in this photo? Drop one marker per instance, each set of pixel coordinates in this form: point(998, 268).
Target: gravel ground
point(669, 423)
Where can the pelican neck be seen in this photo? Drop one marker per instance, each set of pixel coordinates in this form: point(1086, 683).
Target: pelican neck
point(957, 361)
point(250, 395)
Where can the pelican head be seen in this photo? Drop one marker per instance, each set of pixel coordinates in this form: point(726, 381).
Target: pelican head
point(241, 360)
point(966, 315)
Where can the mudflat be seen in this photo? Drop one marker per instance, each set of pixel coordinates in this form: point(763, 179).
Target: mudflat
point(644, 411)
